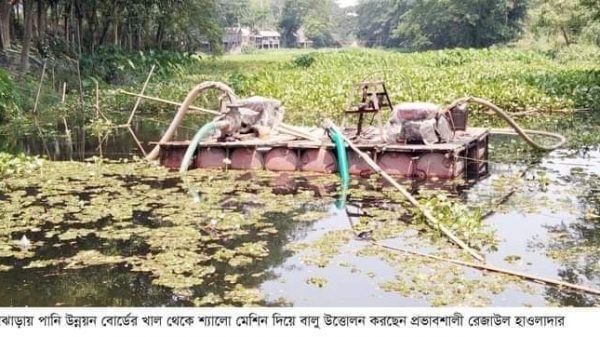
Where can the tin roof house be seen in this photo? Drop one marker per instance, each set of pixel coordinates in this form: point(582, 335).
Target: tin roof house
point(267, 39)
point(237, 38)
point(234, 38)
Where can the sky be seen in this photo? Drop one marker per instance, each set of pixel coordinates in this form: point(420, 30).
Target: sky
point(346, 3)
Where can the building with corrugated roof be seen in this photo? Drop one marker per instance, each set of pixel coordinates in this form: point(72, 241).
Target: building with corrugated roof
point(236, 38)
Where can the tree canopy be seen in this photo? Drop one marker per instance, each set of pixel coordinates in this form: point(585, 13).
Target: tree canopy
point(78, 26)
point(436, 24)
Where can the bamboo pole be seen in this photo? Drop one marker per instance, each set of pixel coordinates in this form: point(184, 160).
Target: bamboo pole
point(64, 93)
point(97, 106)
point(41, 134)
point(80, 87)
point(137, 141)
point(431, 220)
point(62, 101)
point(160, 100)
point(39, 91)
point(138, 101)
point(487, 267)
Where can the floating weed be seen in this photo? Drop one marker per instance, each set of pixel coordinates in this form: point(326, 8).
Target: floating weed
point(43, 263)
point(310, 216)
point(116, 233)
point(232, 278)
point(209, 299)
point(241, 295)
point(298, 247)
point(326, 247)
point(312, 260)
point(179, 269)
point(142, 218)
point(465, 222)
point(439, 283)
point(345, 264)
point(13, 166)
point(176, 237)
point(255, 249)
point(89, 258)
point(512, 258)
point(73, 234)
point(240, 261)
point(318, 282)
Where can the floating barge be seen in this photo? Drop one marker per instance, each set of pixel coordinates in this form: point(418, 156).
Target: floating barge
point(465, 156)
point(419, 140)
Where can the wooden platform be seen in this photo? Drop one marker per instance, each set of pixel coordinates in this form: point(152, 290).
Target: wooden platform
point(466, 154)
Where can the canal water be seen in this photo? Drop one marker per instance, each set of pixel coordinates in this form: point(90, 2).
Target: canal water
point(119, 233)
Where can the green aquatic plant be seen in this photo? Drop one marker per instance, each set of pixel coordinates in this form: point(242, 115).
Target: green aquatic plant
point(441, 284)
point(209, 299)
point(543, 88)
point(318, 282)
point(17, 165)
point(241, 295)
point(133, 215)
point(321, 251)
point(88, 258)
point(464, 221)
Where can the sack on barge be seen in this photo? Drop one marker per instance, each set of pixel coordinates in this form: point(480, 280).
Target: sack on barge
point(418, 123)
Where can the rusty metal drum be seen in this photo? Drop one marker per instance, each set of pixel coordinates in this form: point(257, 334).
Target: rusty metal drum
point(246, 159)
point(357, 166)
point(210, 158)
point(281, 159)
point(438, 165)
point(318, 160)
point(172, 158)
point(397, 164)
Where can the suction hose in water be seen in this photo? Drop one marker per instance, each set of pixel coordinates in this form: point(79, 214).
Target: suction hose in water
point(560, 140)
point(202, 134)
point(342, 157)
point(342, 161)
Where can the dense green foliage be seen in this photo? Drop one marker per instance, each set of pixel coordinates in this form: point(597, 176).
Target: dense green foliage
point(436, 24)
point(323, 22)
point(8, 97)
point(517, 80)
point(115, 66)
point(17, 165)
point(568, 20)
point(69, 28)
point(315, 85)
point(376, 21)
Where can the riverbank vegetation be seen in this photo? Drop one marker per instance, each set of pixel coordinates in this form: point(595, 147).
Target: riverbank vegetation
point(541, 62)
point(542, 87)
